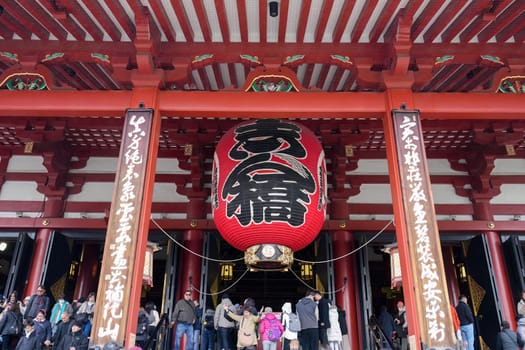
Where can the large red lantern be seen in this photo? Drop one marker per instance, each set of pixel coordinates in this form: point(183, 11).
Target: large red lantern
point(269, 189)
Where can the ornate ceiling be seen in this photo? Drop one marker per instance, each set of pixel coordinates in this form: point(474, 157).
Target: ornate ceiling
point(331, 45)
point(220, 45)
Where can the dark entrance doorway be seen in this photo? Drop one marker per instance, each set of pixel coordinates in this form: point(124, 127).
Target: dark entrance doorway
point(271, 287)
point(15, 247)
point(515, 263)
point(480, 283)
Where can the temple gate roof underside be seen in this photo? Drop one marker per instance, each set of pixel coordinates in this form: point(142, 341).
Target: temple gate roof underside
point(249, 47)
point(333, 45)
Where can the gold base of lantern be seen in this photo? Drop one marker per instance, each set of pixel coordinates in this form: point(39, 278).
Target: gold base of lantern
point(268, 256)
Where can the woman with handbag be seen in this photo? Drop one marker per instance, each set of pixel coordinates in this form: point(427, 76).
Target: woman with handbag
point(11, 326)
point(246, 336)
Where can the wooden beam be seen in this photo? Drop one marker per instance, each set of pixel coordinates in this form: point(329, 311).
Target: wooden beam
point(262, 105)
point(64, 103)
point(363, 226)
point(470, 106)
point(229, 52)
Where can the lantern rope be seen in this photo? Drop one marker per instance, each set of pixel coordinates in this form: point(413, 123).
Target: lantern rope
point(301, 280)
point(340, 289)
point(225, 289)
point(191, 251)
point(351, 252)
point(296, 259)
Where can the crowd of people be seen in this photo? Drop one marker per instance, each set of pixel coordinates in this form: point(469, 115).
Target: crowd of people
point(34, 323)
point(322, 325)
point(394, 327)
point(315, 324)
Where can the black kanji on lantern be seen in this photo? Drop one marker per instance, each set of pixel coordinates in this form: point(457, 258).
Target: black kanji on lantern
point(269, 183)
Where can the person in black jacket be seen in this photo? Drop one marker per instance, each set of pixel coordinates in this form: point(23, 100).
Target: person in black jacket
point(76, 340)
point(466, 322)
point(10, 326)
point(63, 329)
point(208, 332)
point(142, 328)
point(29, 341)
point(401, 326)
point(323, 306)
point(37, 302)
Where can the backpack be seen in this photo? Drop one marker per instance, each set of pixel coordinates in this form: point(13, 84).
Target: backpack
point(274, 332)
point(15, 326)
point(142, 324)
point(294, 324)
point(208, 322)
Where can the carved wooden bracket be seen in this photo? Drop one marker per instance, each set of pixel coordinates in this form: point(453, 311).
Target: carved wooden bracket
point(78, 161)
point(42, 133)
point(146, 40)
point(196, 178)
point(339, 196)
point(457, 162)
point(479, 165)
point(401, 46)
point(56, 161)
point(368, 77)
point(146, 43)
point(180, 74)
point(343, 186)
point(498, 134)
point(488, 141)
point(75, 183)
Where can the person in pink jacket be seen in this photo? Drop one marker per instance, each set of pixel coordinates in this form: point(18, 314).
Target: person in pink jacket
point(271, 330)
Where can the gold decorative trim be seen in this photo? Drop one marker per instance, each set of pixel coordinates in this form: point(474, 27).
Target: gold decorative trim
point(21, 74)
point(259, 77)
point(477, 294)
point(268, 256)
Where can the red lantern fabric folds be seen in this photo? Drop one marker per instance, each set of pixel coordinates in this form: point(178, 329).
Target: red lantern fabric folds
point(269, 185)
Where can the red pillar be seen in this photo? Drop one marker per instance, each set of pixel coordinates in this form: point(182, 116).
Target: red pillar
point(87, 273)
point(482, 212)
point(53, 208)
point(191, 263)
point(452, 285)
point(37, 263)
point(190, 270)
point(345, 275)
point(345, 271)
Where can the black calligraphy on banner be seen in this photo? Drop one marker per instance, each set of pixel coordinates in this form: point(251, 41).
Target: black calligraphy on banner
point(120, 248)
point(423, 240)
point(269, 183)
